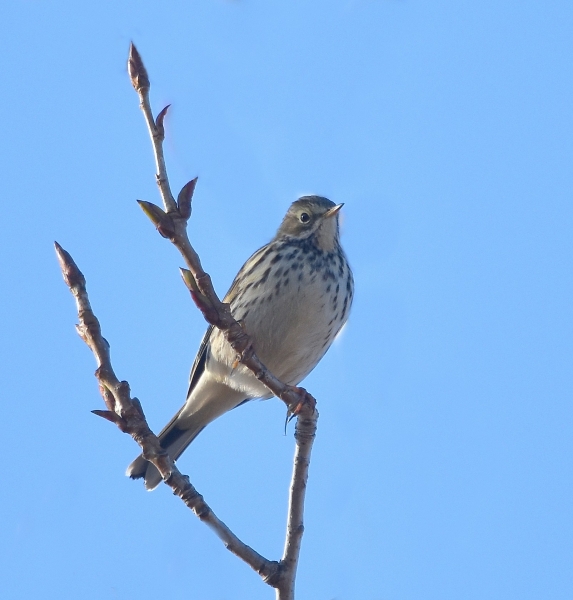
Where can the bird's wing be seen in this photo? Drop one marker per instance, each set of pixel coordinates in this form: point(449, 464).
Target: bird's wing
point(198, 367)
point(201, 358)
point(245, 272)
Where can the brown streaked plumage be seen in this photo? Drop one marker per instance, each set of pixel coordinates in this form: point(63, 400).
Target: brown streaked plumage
point(293, 297)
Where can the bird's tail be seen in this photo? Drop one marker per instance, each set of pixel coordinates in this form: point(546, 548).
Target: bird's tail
point(174, 440)
point(207, 401)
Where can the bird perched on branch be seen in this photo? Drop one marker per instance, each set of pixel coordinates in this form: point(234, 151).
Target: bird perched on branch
point(292, 296)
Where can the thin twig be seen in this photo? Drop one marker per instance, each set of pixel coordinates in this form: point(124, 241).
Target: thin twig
point(127, 414)
point(140, 81)
point(305, 432)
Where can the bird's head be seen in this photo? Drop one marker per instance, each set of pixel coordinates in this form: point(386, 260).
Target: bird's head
point(312, 216)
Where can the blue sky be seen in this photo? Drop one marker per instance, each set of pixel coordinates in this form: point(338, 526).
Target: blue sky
point(443, 467)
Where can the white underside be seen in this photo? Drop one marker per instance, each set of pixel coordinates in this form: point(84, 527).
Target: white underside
point(290, 334)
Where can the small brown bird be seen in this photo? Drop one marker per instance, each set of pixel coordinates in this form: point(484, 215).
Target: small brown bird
point(293, 296)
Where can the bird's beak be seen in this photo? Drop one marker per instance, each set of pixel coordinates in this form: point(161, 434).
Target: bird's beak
point(333, 211)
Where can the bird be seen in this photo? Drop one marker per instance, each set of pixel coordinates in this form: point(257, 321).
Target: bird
point(292, 297)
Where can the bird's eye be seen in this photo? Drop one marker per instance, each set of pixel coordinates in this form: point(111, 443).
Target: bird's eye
point(304, 217)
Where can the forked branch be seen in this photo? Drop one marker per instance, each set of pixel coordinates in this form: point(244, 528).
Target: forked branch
point(126, 412)
point(171, 223)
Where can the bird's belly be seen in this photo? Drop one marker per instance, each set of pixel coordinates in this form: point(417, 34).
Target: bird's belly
point(292, 321)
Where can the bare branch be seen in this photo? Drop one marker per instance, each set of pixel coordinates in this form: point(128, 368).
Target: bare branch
point(127, 414)
point(173, 225)
point(305, 432)
point(140, 82)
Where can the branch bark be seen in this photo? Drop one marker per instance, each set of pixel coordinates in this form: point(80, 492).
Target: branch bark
point(126, 412)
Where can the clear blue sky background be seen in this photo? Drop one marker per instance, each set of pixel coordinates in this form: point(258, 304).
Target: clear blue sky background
point(443, 468)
